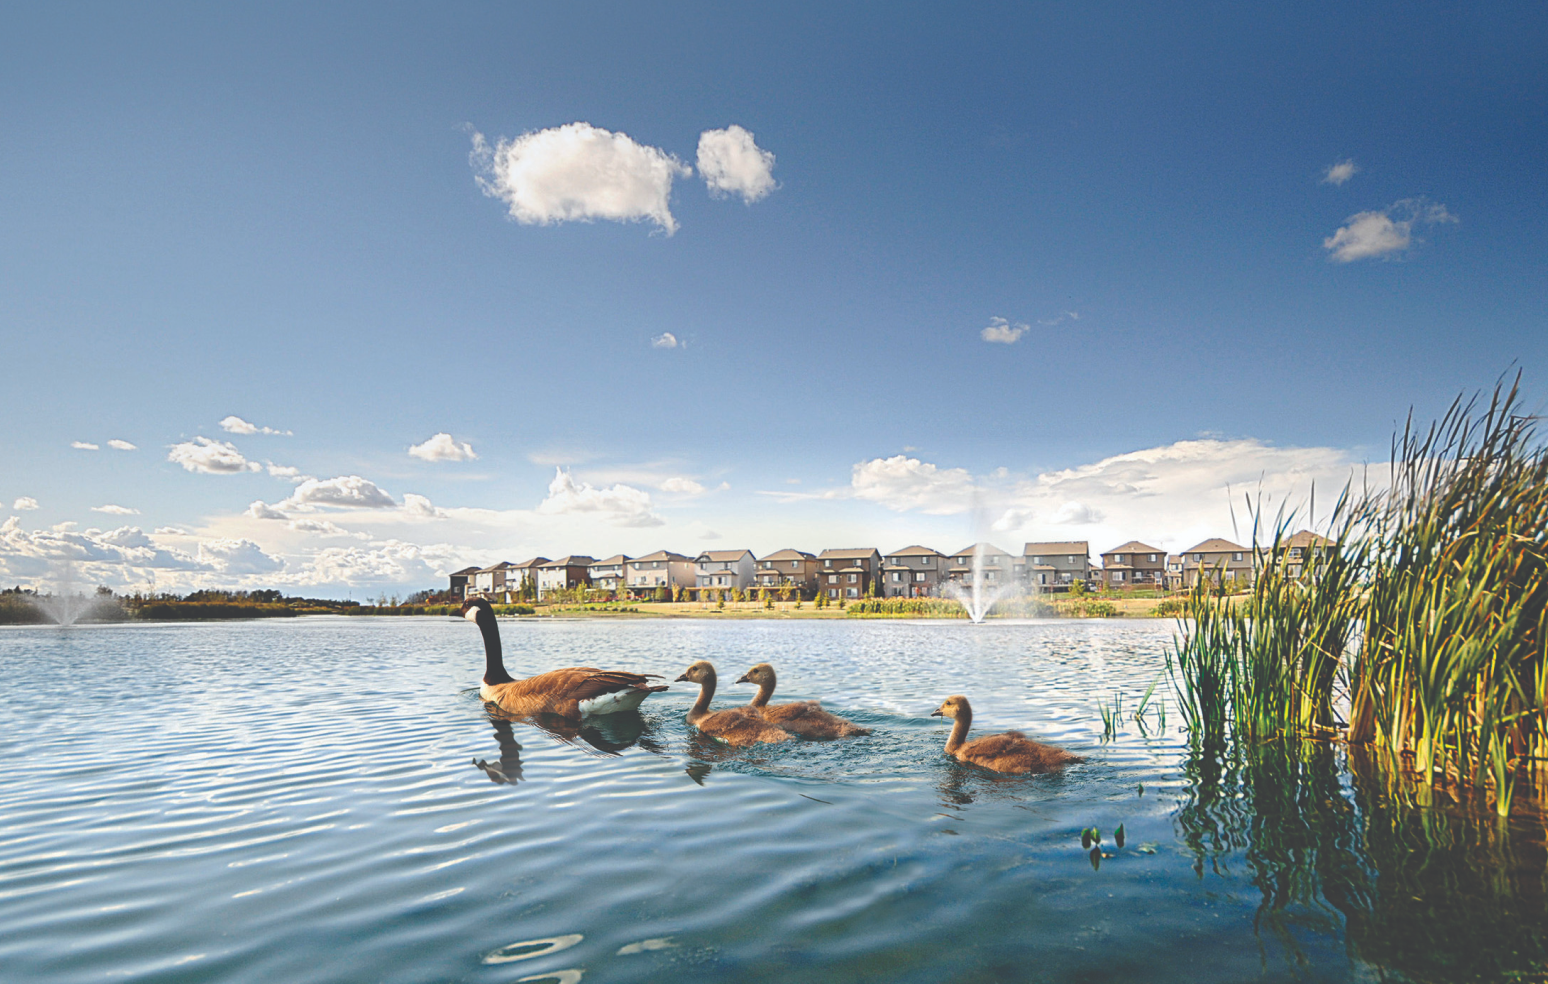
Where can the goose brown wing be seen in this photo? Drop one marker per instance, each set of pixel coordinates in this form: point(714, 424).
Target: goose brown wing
point(583, 683)
point(601, 682)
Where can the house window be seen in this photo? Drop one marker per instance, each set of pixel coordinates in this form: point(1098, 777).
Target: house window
point(1152, 558)
point(925, 561)
point(833, 592)
point(896, 576)
point(853, 578)
point(833, 579)
point(1236, 556)
point(989, 575)
point(854, 592)
point(1117, 575)
point(919, 576)
point(1037, 560)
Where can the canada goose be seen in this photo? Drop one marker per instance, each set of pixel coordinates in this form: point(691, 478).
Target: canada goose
point(735, 725)
point(805, 718)
point(568, 693)
point(1009, 751)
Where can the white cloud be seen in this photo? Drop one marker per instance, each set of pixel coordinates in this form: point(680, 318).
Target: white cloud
point(1059, 319)
point(171, 531)
point(113, 510)
point(238, 557)
point(731, 163)
point(442, 447)
point(99, 557)
point(682, 486)
point(236, 425)
point(1337, 174)
point(1370, 234)
point(25, 503)
point(902, 483)
point(285, 471)
point(324, 529)
point(622, 504)
point(709, 535)
point(211, 457)
point(83, 446)
point(381, 562)
point(118, 445)
point(665, 340)
point(350, 491)
point(262, 510)
point(421, 507)
point(578, 172)
point(1003, 331)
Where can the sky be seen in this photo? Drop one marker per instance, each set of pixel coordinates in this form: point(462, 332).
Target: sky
point(340, 298)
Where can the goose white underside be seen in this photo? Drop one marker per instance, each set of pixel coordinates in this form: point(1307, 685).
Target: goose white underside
point(623, 700)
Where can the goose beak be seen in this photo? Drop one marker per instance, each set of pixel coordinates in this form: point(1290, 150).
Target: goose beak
point(936, 713)
point(681, 678)
point(743, 679)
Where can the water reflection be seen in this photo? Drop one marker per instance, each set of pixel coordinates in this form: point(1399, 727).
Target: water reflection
point(1427, 892)
point(607, 735)
point(509, 768)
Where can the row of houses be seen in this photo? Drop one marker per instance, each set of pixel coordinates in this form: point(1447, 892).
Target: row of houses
point(912, 572)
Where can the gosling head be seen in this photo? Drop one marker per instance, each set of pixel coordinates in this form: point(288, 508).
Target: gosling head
point(701, 672)
point(473, 607)
point(954, 706)
point(762, 674)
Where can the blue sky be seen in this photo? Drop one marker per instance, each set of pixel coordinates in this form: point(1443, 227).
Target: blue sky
point(270, 213)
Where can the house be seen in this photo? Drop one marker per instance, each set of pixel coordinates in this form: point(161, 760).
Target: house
point(1220, 560)
point(1056, 564)
point(1134, 564)
point(848, 572)
point(794, 571)
point(723, 570)
point(999, 567)
point(608, 575)
point(1297, 551)
point(521, 579)
point(563, 574)
point(913, 572)
point(460, 580)
point(663, 569)
point(489, 582)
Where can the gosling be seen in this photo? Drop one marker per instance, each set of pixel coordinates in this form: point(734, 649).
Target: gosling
point(1009, 751)
point(737, 726)
point(804, 718)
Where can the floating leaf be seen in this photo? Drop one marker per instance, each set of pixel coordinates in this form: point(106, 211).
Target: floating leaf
point(1096, 859)
point(1085, 837)
point(1096, 836)
point(1118, 835)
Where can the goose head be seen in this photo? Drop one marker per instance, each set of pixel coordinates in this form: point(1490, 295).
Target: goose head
point(701, 672)
point(762, 674)
point(473, 608)
point(953, 707)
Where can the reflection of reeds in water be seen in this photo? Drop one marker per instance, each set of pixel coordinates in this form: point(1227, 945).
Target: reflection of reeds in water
point(1443, 582)
point(1435, 894)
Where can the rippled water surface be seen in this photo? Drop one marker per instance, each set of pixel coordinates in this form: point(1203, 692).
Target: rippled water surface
point(298, 801)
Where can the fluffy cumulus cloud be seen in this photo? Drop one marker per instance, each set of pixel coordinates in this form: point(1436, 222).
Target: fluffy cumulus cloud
point(118, 445)
point(262, 510)
point(1002, 331)
point(443, 447)
point(1337, 174)
point(237, 556)
point(682, 485)
point(210, 457)
point(84, 446)
point(902, 483)
point(420, 507)
point(113, 510)
point(1386, 233)
point(732, 163)
point(347, 491)
point(386, 562)
point(665, 340)
point(579, 172)
point(236, 425)
point(285, 471)
point(620, 505)
point(24, 504)
point(323, 528)
point(121, 556)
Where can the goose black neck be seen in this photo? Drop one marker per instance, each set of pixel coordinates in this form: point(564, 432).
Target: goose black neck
point(494, 666)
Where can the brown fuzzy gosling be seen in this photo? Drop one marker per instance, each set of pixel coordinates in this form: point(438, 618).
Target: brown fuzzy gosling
point(805, 718)
point(569, 693)
point(734, 725)
point(1009, 751)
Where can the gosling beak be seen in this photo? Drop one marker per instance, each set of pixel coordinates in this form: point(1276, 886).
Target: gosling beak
point(681, 678)
point(936, 713)
point(743, 679)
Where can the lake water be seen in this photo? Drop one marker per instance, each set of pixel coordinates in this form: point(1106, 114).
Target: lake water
point(297, 801)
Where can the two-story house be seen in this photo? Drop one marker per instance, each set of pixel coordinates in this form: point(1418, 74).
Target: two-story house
point(1134, 565)
point(848, 572)
point(723, 570)
point(662, 569)
point(522, 577)
point(1054, 565)
point(999, 568)
point(563, 574)
point(788, 570)
point(1219, 560)
point(1298, 553)
point(489, 582)
point(460, 580)
point(608, 575)
point(913, 572)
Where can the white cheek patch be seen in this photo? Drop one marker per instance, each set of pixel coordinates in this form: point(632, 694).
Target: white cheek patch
point(471, 614)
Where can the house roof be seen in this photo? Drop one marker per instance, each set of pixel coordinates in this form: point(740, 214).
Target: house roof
point(1215, 545)
point(788, 554)
point(613, 561)
point(1306, 538)
point(846, 553)
point(572, 560)
point(1133, 546)
point(1081, 547)
point(989, 548)
point(501, 566)
point(534, 562)
point(465, 570)
point(661, 555)
point(916, 551)
point(719, 556)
